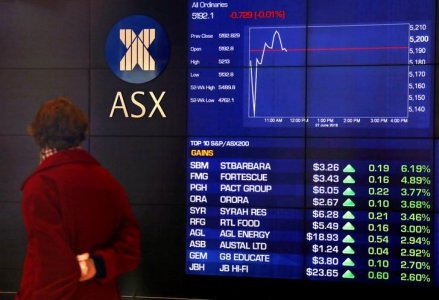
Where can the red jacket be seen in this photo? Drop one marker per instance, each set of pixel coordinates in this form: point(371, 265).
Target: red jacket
point(72, 205)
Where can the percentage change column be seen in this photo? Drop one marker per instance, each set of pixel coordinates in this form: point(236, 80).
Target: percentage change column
point(416, 223)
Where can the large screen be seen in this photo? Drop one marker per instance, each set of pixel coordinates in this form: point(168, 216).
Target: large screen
point(311, 151)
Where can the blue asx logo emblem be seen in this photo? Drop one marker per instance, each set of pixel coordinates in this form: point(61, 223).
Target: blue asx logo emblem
point(137, 49)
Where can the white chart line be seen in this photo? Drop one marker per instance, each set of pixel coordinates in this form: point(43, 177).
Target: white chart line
point(254, 75)
point(254, 81)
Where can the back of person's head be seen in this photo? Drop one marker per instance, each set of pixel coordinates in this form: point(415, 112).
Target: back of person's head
point(59, 124)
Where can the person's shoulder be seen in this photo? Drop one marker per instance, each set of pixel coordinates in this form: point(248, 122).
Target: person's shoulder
point(39, 181)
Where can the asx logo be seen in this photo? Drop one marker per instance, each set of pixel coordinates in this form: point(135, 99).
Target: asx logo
point(137, 49)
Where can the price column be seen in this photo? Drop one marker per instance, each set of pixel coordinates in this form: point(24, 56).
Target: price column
point(323, 231)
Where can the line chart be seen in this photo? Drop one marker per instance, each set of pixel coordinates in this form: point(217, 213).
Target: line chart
point(258, 62)
point(342, 71)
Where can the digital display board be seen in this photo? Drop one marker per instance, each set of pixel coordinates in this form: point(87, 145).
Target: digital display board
point(311, 153)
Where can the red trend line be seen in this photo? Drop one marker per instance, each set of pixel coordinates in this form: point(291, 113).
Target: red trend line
point(332, 49)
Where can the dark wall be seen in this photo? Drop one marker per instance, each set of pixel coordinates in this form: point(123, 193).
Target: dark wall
point(57, 47)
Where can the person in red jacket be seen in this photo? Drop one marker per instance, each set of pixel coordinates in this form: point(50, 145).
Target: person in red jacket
point(81, 233)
